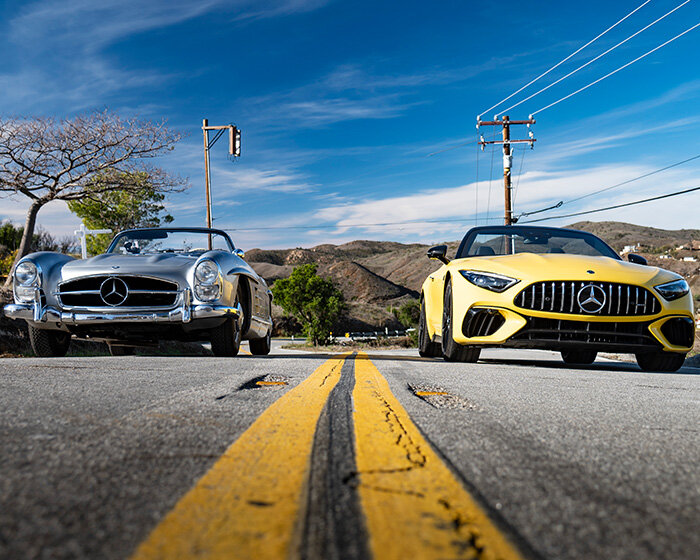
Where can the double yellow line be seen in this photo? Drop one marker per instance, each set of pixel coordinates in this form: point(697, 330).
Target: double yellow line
point(249, 503)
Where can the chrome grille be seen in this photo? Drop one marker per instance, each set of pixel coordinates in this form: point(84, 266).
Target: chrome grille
point(622, 300)
point(142, 292)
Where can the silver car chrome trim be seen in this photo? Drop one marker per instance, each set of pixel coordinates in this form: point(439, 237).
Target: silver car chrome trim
point(113, 274)
point(39, 314)
point(183, 314)
point(186, 305)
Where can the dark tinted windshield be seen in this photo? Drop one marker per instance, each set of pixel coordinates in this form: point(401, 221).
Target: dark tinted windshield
point(150, 241)
point(510, 240)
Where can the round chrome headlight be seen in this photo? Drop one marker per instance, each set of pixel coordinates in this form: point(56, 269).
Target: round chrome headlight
point(207, 272)
point(26, 273)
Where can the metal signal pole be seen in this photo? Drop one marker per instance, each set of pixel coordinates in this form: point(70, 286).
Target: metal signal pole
point(234, 150)
point(506, 123)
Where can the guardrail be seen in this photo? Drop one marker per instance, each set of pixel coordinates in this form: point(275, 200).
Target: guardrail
point(371, 335)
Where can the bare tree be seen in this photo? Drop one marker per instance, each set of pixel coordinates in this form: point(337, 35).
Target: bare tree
point(46, 159)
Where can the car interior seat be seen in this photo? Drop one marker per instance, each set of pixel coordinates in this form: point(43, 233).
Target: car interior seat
point(484, 251)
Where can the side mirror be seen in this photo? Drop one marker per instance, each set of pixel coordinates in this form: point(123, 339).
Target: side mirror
point(636, 259)
point(438, 253)
point(239, 253)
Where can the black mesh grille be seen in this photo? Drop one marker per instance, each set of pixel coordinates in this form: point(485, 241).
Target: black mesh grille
point(482, 322)
point(143, 292)
point(679, 331)
point(623, 300)
point(630, 335)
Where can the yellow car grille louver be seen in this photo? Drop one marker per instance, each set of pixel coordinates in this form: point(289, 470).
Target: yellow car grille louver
point(588, 298)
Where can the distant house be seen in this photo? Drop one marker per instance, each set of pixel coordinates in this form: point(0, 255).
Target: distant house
point(695, 245)
point(630, 248)
point(690, 259)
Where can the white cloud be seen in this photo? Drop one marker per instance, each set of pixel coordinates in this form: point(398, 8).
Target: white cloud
point(459, 207)
point(54, 216)
point(243, 179)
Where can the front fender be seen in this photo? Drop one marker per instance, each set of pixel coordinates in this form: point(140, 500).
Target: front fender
point(433, 292)
point(49, 265)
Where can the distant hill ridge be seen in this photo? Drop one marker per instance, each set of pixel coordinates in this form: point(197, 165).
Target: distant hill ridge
point(619, 234)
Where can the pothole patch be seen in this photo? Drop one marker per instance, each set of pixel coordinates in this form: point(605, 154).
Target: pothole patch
point(270, 380)
point(441, 398)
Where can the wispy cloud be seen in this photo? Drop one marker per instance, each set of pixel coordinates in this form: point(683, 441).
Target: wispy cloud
point(59, 46)
point(355, 91)
point(453, 204)
point(243, 179)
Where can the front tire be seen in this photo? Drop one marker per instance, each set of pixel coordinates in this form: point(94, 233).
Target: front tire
point(426, 348)
point(452, 351)
point(664, 362)
point(48, 343)
point(579, 357)
point(261, 346)
point(226, 338)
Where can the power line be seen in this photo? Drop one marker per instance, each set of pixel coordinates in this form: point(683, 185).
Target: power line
point(565, 59)
point(339, 226)
point(614, 207)
point(632, 180)
point(617, 70)
point(596, 58)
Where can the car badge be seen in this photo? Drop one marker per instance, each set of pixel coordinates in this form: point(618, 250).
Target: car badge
point(115, 267)
point(114, 291)
point(591, 271)
point(591, 298)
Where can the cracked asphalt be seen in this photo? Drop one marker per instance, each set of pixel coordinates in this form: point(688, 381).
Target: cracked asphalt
point(596, 462)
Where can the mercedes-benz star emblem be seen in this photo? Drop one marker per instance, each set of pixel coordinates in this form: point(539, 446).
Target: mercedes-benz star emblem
point(114, 291)
point(591, 298)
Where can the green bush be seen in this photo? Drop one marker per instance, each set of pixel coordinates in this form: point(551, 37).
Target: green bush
point(315, 302)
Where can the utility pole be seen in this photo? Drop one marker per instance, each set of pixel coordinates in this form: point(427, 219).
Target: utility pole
point(234, 150)
point(506, 123)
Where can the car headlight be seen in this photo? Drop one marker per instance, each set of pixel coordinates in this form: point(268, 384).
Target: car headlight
point(673, 290)
point(489, 280)
point(27, 274)
point(207, 272)
point(207, 284)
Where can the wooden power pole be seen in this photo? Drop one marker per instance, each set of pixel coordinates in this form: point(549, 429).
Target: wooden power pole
point(506, 123)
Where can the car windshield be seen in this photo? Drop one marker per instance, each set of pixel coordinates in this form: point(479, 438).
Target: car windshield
point(150, 241)
point(508, 241)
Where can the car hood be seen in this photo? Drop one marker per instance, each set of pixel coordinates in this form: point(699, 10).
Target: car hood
point(531, 267)
point(143, 265)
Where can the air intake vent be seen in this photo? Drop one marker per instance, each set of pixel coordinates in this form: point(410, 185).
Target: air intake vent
point(552, 332)
point(679, 331)
point(588, 298)
point(482, 322)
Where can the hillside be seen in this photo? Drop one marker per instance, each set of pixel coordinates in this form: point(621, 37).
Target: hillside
point(619, 234)
point(377, 275)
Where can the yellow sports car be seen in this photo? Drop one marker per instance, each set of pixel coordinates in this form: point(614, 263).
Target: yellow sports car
point(554, 289)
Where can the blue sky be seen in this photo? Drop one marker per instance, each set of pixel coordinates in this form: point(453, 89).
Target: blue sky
point(341, 104)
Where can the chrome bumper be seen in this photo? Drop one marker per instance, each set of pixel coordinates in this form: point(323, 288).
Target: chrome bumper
point(184, 313)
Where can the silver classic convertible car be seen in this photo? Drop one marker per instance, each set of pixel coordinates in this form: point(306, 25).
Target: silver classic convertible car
point(155, 284)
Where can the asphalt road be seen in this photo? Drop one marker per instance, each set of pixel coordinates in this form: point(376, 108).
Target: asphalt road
point(306, 455)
